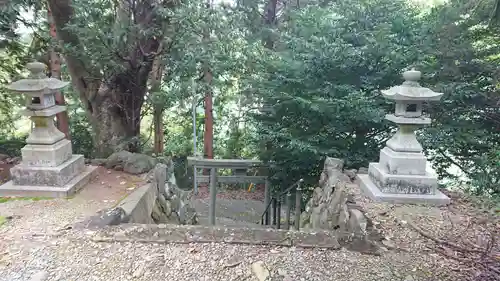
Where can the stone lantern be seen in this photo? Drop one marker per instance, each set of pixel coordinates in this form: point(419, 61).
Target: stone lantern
point(401, 175)
point(48, 167)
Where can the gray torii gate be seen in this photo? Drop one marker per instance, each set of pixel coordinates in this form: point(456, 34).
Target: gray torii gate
point(234, 164)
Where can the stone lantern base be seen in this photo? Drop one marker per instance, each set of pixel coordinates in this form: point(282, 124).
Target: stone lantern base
point(61, 181)
point(381, 186)
point(48, 167)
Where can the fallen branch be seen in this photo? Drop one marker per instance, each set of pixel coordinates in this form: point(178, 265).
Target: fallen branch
point(477, 249)
point(480, 259)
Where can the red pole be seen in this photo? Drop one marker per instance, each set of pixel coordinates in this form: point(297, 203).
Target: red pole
point(55, 71)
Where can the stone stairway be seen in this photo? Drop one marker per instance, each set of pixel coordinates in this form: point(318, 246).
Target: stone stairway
point(233, 212)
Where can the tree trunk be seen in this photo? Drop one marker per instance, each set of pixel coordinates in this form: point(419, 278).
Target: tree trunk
point(208, 135)
point(270, 21)
point(113, 102)
point(55, 71)
point(158, 129)
point(116, 121)
point(158, 106)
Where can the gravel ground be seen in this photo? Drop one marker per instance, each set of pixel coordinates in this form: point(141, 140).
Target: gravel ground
point(35, 246)
point(71, 257)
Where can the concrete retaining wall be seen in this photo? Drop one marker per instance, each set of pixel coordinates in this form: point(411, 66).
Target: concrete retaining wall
point(138, 205)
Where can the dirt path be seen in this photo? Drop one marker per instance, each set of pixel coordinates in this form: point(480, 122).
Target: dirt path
point(49, 215)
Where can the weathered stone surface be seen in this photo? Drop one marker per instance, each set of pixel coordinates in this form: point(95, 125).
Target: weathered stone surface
point(51, 155)
point(351, 174)
point(40, 276)
point(69, 189)
point(48, 176)
point(402, 184)
point(104, 218)
point(161, 233)
point(260, 271)
point(326, 209)
point(47, 134)
point(357, 222)
point(363, 170)
point(139, 204)
point(332, 208)
point(133, 163)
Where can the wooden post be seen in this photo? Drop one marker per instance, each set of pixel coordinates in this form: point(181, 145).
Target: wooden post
point(288, 210)
point(298, 202)
point(55, 72)
point(274, 206)
point(278, 213)
point(195, 180)
point(213, 195)
point(267, 199)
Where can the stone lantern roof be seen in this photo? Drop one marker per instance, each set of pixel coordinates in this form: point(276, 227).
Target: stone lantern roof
point(37, 82)
point(411, 90)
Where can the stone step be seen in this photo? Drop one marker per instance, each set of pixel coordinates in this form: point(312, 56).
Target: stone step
point(221, 221)
point(184, 234)
point(236, 210)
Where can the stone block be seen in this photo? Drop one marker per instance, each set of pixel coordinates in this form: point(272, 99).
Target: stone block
point(48, 176)
point(78, 182)
point(46, 112)
point(139, 204)
point(402, 163)
point(402, 184)
point(405, 141)
point(374, 193)
point(45, 132)
point(46, 155)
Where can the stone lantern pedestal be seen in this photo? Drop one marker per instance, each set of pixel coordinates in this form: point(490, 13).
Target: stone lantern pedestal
point(48, 167)
point(401, 175)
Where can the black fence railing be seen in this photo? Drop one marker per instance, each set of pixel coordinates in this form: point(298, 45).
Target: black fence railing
point(275, 205)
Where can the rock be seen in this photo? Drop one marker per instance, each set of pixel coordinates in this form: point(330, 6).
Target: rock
point(13, 160)
point(410, 278)
point(260, 271)
point(363, 170)
point(343, 219)
point(98, 162)
point(172, 203)
point(139, 271)
point(132, 163)
point(333, 208)
point(40, 276)
point(118, 168)
point(357, 222)
point(117, 158)
point(351, 174)
point(388, 244)
point(3, 157)
point(104, 218)
point(139, 163)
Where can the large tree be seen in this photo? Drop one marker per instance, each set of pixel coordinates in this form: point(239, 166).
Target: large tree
point(109, 49)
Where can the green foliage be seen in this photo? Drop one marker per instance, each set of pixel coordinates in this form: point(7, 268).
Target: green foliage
point(321, 87)
point(81, 134)
point(462, 61)
point(12, 146)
